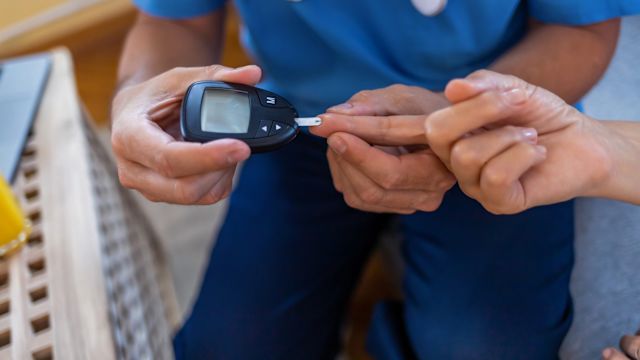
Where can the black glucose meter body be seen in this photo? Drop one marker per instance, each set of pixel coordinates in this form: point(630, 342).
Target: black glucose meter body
point(213, 110)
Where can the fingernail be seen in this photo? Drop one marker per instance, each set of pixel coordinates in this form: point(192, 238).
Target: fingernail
point(530, 135)
point(607, 352)
point(541, 150)
point(515, 96)
point(337, 144)
point(341, 107)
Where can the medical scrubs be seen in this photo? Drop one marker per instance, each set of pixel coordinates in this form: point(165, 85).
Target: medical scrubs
point(476, 286)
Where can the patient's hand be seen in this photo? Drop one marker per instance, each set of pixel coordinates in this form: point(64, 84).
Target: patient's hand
point(513, 146)
point(401, 178)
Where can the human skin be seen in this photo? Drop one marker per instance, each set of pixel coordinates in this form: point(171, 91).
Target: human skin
point(160, 60)
point(379, 179)
point(630, 346)
point(156, 46)
point(512, 145)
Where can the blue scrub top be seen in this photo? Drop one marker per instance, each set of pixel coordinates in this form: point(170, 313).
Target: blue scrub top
point(318, 53)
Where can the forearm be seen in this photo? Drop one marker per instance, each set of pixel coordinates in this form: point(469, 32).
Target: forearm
point(155, 45)
point(623, 149)
point(563, 59)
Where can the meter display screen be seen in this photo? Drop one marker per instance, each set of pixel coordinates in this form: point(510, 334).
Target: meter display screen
point(225, 111)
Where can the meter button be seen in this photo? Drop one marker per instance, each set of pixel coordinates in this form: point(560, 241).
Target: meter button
point(271, 100)
point(263, 128)
point(278, 128)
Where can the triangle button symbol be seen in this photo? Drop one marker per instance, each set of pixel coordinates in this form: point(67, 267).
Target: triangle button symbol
point(278, 127)
point(264, 128)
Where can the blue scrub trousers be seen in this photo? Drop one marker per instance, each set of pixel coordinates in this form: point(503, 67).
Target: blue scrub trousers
point(477, 286)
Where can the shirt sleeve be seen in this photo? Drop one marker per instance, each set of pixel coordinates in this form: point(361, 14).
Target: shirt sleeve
point(581, 12)
point(179, 9)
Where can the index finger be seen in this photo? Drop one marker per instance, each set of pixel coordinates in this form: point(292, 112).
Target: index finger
point(413, 171)
point(150, 146)
point(395, 130)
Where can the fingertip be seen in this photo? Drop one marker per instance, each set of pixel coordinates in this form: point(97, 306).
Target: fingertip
point(606, 353)
point(330, 125)
point(453, 87)
point(248, 68)
point(320, 129)
point(248, 74)
point(458, 90)
point(240, 151)
point(252, 68)
point(234, 150)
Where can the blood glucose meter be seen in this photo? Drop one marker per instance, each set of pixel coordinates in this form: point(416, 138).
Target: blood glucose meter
point(214, 110)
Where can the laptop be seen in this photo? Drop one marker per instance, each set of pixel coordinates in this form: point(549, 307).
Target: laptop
point(22, 81)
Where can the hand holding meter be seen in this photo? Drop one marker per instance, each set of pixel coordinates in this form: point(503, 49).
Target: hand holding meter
point(213, 110)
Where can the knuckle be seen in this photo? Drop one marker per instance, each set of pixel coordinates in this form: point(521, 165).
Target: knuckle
point(164, 166)
point(431, 204)
point(495, 178)
point(351, 200)
point(391, 180)
point(446, 182)
point(494, 103)
point(384, 126)
point(337, 185)
point(215, 195)
point(125, 180)
point(151, 197)
point(478, 74)
point(398, 87)
point(186, 193)
point(225, 194)
point(496, 209)
point(464, 155)
point(434, 131)
point(209, 199)
point(175, 71)
point(513, 82)
point(117, 143)
point(363, 95)
point(371, 195)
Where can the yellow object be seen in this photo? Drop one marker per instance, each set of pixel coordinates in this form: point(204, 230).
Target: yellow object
point(14, 227)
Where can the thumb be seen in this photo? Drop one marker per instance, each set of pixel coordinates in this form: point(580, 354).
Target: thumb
point(480, 81)
point(248, 75)
point(179, 79)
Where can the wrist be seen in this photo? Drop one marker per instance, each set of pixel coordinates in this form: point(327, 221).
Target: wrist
point(617, 174)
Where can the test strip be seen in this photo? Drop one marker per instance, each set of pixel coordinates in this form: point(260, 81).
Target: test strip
point(308, 121)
